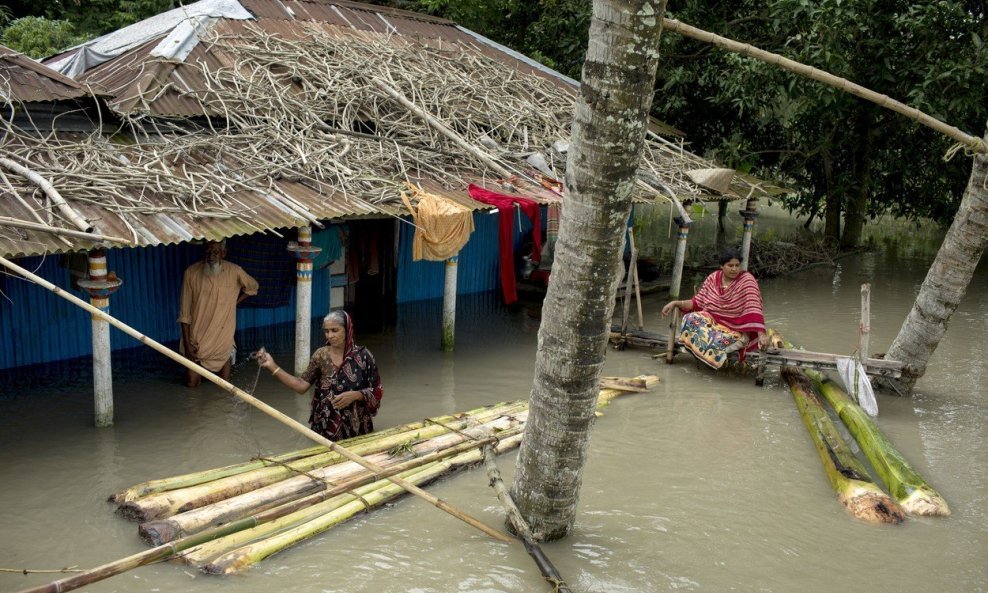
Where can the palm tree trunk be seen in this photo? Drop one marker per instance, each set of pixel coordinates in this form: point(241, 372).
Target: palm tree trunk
point(608, 132)
point(947, 279)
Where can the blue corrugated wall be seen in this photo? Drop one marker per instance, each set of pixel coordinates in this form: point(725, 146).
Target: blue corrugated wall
point(37, 326)
point(477, 265)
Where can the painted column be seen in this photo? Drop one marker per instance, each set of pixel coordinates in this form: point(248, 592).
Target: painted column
point(303, 252)
point(100, 285)
point(449, 305)
point(750, 213)
point(677, 280)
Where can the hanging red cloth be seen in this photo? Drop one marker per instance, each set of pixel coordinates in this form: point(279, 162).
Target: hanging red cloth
point(506, 232)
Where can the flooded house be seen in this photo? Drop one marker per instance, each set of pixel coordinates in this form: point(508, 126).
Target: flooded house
point(301, 133)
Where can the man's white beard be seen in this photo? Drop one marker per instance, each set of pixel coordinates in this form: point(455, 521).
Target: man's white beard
point(213, 268)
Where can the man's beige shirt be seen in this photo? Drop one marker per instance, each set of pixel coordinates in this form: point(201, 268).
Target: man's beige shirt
point(209, 306)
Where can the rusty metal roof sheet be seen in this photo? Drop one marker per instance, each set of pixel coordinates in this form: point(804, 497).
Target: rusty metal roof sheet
point(24, 80)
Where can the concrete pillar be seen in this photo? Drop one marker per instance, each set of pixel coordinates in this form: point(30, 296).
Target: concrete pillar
point(100, 285)
point(449, 305)
point(304, 252)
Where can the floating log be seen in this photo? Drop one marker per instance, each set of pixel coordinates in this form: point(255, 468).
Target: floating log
point(912, 492)
point(848, 477)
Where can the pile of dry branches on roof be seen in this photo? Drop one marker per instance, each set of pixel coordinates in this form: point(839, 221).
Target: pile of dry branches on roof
point(349, 114)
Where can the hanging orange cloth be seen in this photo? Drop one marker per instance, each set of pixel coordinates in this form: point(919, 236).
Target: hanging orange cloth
point(442, 227)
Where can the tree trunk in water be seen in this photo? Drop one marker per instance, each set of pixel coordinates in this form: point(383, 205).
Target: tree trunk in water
point(947, 279)
point(857, 205)
point(608, 133)
point(831, 228)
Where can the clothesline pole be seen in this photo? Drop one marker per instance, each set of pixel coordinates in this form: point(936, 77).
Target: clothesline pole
point(449, 305)
point(677, 279)
point(263, 407)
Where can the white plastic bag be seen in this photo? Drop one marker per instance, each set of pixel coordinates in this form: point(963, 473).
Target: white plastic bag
point(856, 383)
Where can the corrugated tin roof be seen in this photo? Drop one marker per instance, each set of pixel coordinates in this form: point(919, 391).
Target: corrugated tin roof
point(141, 81)
point(24, 80)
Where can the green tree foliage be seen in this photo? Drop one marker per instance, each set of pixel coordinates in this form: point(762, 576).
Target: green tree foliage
point(829, 144)
point(38, 37)
point(45, 27)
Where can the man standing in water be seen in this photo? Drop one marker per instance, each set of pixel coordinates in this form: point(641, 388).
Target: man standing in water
point(211, 291)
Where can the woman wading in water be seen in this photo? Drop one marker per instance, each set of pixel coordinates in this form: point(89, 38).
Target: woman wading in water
point(347, 383)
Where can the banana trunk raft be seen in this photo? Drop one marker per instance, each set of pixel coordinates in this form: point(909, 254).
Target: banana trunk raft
point(225, 520)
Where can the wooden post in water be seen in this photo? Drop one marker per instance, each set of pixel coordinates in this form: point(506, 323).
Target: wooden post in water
point(721, 235)
point(449, 305)
point(750, 213)
point(864, 329)
point(630, 283)
point(684, 222)
point(100, 286)
point(303, 252)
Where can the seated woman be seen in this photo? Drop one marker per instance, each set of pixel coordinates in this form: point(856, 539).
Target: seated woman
point(347, 383)
point(725, 315)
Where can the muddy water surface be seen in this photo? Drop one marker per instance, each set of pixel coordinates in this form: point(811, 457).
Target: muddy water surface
point(708, 483)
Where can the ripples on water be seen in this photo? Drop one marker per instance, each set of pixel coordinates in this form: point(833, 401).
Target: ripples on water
point(707, 483)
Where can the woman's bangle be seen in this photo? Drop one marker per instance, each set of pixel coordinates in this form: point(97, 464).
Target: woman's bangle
point(275, 371)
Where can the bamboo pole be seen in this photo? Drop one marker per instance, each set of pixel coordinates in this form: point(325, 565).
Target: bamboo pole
point(272, 412)
point(915, 495)
point(864, 329)
point(34, 226)
point(636, 282)
point(549, 571)
point(848, 477)
point(49, 191)
point(629, 283)
point(972, 143)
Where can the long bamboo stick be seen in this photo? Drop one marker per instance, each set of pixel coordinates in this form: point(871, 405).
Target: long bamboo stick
point(915, 495)
point(848, 477)
point(270, 411)
point(549, 571)
point(972, 143)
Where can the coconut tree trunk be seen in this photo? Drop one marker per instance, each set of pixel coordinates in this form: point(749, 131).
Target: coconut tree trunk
point(947, 279)
point(607, 136)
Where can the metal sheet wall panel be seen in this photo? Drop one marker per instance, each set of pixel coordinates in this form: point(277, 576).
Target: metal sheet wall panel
point(477, 266)
point(37, 326)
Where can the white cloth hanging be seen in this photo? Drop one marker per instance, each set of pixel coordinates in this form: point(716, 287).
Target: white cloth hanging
point(857, 384)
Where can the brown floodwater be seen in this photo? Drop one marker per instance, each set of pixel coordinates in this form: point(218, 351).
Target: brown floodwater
point(707, 483)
